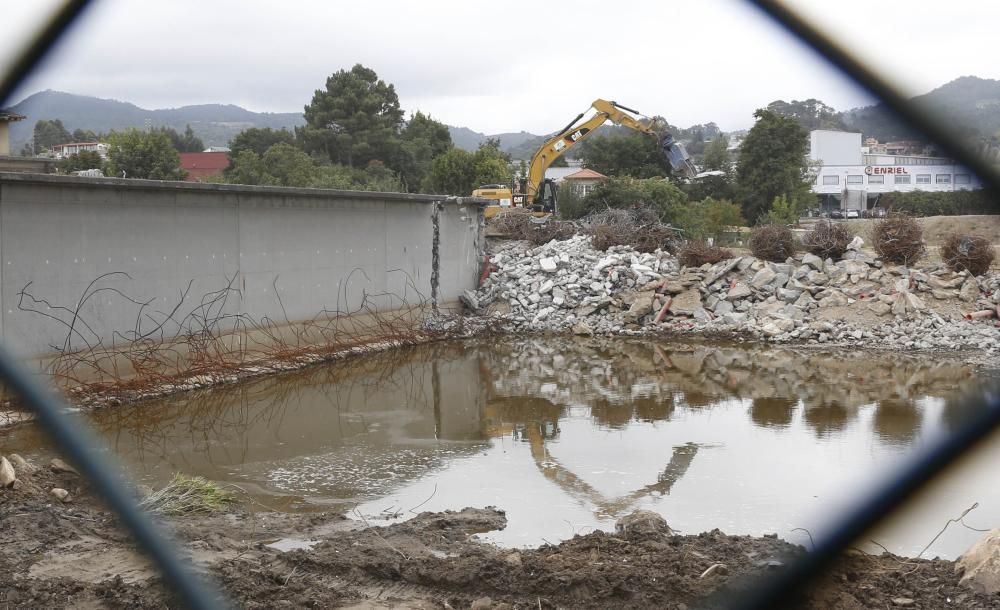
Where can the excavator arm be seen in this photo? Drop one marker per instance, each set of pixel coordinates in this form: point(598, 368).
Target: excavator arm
point(540, 194)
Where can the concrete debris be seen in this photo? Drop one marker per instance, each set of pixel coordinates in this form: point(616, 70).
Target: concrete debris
point(642, 524)
point(980, 565)
point(970, 291)
point(60, 494)
point(686, 303)
point(860, 299)
point(7, 474)
point(58, 465)
point(21, 465)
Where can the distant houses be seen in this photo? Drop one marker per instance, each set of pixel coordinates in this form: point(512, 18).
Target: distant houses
point(63, 151)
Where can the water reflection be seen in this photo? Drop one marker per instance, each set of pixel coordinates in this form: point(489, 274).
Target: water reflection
point(559, 429)
point(776, 412)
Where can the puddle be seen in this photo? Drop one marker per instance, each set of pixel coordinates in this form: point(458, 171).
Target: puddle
point(292, 544)
point(566, 435)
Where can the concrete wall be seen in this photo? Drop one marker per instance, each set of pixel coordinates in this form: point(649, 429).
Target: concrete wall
point(287, 252)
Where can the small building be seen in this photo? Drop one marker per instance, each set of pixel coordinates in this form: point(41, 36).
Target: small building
point(63, 151)
point(848, 178)
point(6, 118)
point(584, 180)
point(558, 174)
point(199, 165)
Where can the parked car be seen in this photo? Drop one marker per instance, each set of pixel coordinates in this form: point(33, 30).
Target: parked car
point(836, 214)
point(878, 212)
point(853, 214)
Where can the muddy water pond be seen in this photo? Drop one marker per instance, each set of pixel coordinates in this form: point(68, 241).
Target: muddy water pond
point(566, 435)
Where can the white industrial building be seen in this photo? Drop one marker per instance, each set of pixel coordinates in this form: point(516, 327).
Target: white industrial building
point(850, 179)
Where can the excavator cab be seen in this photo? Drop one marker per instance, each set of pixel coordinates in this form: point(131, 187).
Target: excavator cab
point(545, 200)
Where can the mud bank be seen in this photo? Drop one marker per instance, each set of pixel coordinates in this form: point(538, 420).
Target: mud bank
point(440, 327)
point(72, 554)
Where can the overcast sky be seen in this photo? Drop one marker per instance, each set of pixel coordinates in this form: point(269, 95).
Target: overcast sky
point(501, 66)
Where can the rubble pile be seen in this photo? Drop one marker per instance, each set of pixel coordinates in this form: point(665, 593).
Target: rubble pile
point(570, 286)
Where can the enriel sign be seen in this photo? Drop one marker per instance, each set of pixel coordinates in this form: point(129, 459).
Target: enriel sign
point(878, 170)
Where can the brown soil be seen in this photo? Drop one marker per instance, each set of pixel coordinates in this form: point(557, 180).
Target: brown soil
point(61, 555)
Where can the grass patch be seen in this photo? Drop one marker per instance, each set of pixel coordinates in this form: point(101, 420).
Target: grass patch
point(186, 495)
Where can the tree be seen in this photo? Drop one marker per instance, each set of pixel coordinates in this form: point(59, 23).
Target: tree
point(708, 218)
point(87, 159)
point(632, 154)
point(423, 140)
point(188, 142)
point(281, 165)
point(80, 135)
point(773, 162)
point(662, 195)
point(782, 212)
point(458, 172)
point(48, 134)
point(490, 165)
point(809, 114)
point(355, 119)
point(286, 165)
point(258, 140)
point(717, 155)
point(245, 168)
point(143, 155)
point(451, 173)
point(696, 146)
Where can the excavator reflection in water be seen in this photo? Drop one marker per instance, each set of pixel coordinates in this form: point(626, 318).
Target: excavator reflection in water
point(535, 420)
point(537, 193)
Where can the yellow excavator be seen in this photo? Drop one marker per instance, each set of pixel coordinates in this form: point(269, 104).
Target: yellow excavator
point(538, 194)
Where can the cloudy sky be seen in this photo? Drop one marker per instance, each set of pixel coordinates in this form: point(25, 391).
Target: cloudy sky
point(501, 66)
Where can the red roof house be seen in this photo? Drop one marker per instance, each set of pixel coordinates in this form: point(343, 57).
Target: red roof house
point(584, 181)
point(200, 165)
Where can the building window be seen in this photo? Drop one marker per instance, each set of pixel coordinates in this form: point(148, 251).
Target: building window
point(962, 179)
point(880, 179)
point(942, 178)
point(855, 179)
point(902, 179)
point(923, 178)
point(831, 180)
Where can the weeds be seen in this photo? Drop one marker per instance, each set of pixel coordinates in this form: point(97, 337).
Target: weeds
point(186, 495)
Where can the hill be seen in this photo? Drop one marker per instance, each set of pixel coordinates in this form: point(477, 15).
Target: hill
point(467, 139)
point(215, 124)
point(969, 103)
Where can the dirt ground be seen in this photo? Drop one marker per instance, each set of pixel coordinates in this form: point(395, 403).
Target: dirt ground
point(73, 555)
point(937, 228)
